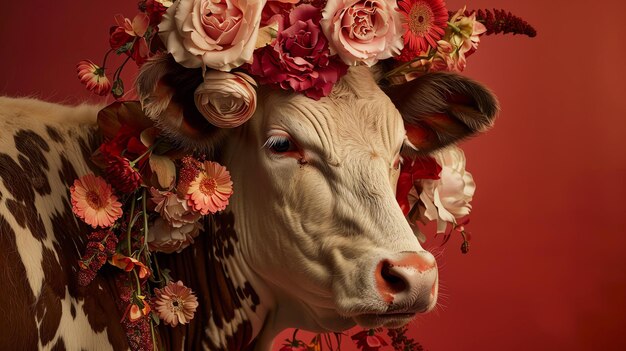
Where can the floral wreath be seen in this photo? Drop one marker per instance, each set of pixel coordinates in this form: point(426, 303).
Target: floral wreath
point(153, 196)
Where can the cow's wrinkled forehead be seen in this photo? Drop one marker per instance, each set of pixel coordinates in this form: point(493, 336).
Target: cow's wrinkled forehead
point(357, 115)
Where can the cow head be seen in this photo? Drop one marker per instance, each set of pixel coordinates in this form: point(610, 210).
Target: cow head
point(314, 188)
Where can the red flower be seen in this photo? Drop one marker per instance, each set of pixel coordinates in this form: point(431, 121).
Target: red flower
point(424, 167)
point(276, 8)
point(129, 37)
point(122, 124)
point(289, 347)
point(424, 22)
point(368, 340)
point(122, 175)
point(93, 77)
point(299, 59)
point(128, 264)
point(154, 9)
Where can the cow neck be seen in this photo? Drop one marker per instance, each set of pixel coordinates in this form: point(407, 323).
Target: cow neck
point(230, 312)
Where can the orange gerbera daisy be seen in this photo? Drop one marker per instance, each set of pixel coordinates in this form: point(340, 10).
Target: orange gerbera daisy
point(210, 190)
point(175, 303)
point(424, 22)
point(93, 201)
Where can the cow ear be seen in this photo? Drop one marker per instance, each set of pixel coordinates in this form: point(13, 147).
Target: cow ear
point(442, 108)
point(166, 92)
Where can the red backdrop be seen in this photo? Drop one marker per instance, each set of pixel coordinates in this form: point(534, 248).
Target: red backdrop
point(546, 269)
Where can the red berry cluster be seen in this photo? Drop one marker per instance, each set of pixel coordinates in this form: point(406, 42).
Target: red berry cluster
point(501, 21)
point(101, 245)
point(400, 342)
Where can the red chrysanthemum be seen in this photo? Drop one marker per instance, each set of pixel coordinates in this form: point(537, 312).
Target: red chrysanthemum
point(122, 175)
point(424, 22)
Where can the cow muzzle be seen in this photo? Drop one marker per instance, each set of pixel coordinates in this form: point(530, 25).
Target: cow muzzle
point(408, 285)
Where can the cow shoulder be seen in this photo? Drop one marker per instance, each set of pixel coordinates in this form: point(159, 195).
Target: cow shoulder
point(43, 148)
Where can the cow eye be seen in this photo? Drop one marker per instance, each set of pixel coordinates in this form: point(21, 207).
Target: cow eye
point(280, 144)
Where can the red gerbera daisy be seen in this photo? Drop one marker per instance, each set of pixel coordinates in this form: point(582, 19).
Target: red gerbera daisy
point(424, 22)
point(93, 77)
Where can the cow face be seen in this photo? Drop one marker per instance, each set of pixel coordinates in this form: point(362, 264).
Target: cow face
point(314, 196)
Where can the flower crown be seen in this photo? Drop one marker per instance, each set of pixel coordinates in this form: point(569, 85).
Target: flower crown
point(304, 46)
point(153, 196)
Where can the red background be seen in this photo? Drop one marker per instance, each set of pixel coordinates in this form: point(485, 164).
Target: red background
point(546, 269)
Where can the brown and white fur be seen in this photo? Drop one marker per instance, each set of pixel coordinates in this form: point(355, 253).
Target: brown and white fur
point(313, 238)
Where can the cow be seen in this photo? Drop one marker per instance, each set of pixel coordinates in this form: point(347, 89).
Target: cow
point(313, 237)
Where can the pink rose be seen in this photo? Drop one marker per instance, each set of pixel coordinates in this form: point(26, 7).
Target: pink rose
point(173, 209)
point(164, 238)
point(299, 59)
point(363, 30)
point(226, 100)
point(220, 34)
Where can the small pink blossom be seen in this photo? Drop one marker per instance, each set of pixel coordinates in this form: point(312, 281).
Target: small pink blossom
point(175, 303)
point(93, 201)
point(93, 77)
point(210, 190)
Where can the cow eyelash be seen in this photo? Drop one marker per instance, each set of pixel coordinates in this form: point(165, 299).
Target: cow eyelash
point(279, 144)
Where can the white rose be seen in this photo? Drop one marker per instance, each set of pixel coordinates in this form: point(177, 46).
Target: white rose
point(448, 198)
point(220, 34)
point(226, 100)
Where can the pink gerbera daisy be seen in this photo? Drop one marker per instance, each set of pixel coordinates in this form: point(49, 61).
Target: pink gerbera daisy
point(210, 190)
point(424, 22)
point(175, 303)
point(93, 201)
point(93, 77)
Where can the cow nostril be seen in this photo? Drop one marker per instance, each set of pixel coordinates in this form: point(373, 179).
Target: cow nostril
point(393, 280)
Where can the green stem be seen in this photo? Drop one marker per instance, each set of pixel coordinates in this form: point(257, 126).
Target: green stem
point(158, 269)
point(154, 344)
point(145, 220)
point(106, 56)
point(293, 338)
point(118, 71)
point(454, 27)
point(137, 281)
point(130, 227)
point(150, 149)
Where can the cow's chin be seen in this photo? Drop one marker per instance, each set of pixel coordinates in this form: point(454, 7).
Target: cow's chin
point(394, 320)
point(333, 322)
